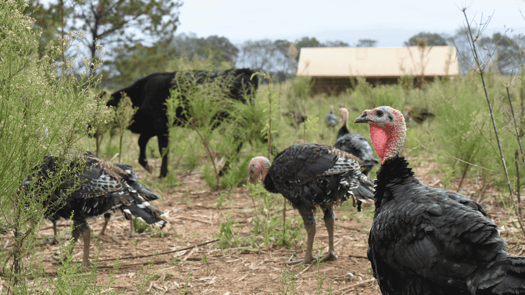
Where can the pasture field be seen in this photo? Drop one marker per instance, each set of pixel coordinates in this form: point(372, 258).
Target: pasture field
point(226, 236)
point(247, 265)
point(245, 253)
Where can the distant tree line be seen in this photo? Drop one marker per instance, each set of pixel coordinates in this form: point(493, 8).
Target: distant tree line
point(140, 38)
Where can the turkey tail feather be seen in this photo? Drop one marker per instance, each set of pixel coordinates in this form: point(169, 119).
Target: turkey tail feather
point(502, 277)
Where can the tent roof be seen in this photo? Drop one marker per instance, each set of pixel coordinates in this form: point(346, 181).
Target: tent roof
point(378, 61)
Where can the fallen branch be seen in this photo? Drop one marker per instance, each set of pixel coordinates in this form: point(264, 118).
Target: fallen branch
point(302, 271)
point(355, 285)
point(358, 256)
point(193, 219)
point(162, 253)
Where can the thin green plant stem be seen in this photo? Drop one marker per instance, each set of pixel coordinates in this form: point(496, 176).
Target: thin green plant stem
point(515, 124)
point(518, 196)
point(192, 124)
point(481, 70)
point(270, 128)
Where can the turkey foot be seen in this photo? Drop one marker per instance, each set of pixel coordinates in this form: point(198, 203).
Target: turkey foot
point(328, 257)
point(308, 258)
point(54, 241)
point(50, 241)
point(107, 216)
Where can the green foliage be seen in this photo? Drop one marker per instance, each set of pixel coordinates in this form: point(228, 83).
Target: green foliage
point(447, 177)
point(144, 277)
point(268, 227)
point(320, 277)
point(135, 61)
point(288, 280)
point(141, 227)
point(202, 103)
point(185, 63)
point(429, 39)
point(67, 280)
point(108, 22)
point(49, 22)
point(309, 126)
point(101, 122)
point(209, 175)
point(123, 114)
point(237, 174)
point(218, 50)
point(220, 201)
point(40, 114)
point(227, 236)
point(301, 87)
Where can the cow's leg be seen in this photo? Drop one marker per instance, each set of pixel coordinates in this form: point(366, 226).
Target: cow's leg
point(143, 160)
point(163, 140)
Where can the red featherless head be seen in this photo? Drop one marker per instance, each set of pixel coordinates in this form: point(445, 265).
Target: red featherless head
point(387, 130)
point(258, 168)
point(343, 114)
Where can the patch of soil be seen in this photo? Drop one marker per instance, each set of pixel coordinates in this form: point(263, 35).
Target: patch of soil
point(191, 213)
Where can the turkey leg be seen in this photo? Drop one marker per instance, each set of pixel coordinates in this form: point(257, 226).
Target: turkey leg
point(329, 223)
point(107, 216)
point(131, 228)
point(309, 226)
point(55, 232)
point(86, 234)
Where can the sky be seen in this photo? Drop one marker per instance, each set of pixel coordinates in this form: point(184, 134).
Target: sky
point(389, 22)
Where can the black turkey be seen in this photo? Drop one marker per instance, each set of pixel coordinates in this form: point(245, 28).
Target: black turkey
point(427, 240)
point(296, 118)
point(95, 188)
point(354, 144)
point(331, 118)
point(311, 176)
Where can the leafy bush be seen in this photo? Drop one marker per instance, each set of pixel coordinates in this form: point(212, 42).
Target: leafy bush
point(40, 114)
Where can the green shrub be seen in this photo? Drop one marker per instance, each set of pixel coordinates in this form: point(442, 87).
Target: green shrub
point(40, 114)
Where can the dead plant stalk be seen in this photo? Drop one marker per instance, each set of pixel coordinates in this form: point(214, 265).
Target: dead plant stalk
point(518, 138)
point(481, 70)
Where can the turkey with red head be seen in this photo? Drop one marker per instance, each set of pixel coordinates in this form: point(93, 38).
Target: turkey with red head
point(428, 240)
point(310, 176)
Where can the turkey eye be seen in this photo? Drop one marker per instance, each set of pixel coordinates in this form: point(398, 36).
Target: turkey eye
point(379, 113)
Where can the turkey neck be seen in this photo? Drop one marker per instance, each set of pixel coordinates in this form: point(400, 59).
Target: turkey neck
point(343, 130)
point(392, 171)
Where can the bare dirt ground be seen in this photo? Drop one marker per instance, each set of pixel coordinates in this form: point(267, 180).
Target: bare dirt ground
point(191, 212)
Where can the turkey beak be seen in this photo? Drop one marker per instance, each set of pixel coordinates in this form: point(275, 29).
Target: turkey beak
point(363, 118)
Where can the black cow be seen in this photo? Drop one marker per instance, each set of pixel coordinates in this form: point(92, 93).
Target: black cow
point(149, 95)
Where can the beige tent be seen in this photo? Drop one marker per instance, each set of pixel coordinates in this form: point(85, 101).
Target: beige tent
point(331, 68)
